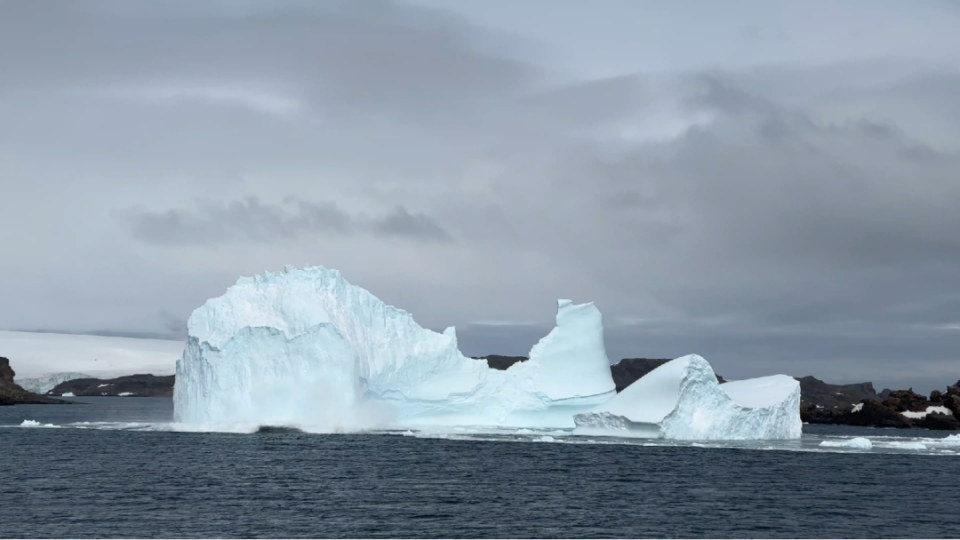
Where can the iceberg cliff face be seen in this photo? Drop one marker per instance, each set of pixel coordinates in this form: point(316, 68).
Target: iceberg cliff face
point(306, 348)
point(682, 400)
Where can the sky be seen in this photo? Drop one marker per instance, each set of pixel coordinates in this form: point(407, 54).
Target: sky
point(774, 186)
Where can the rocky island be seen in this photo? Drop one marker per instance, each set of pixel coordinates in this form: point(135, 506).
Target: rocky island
point(12, 394)
point(129, 386)
point(890, 408)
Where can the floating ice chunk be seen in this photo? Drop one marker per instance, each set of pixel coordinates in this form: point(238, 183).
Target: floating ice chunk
point(125, 394)
point(546, 438)
point(67, 394)
point(34, 423)
point(682, 400)
point(307, 348)
point(951, 440)
point(909, 445)
point(859, 443)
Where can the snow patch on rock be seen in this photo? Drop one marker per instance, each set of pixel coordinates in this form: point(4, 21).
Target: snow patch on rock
point(930, 410)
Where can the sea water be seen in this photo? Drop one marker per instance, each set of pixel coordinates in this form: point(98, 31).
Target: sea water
point(118, 467)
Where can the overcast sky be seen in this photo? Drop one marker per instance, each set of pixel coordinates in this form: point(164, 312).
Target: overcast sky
point(775, 187)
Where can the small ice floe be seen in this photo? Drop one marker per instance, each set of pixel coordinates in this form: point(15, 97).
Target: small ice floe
point(125, 394)
point(34, 423)
point(67, 394)
point(858, 443)
point(952, 440)
point(909, 445)
point(546, 438)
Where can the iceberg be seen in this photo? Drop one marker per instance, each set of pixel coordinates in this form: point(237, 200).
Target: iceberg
point(908, 445)
point(307, 349)
point(859, 443)
point(682, 400)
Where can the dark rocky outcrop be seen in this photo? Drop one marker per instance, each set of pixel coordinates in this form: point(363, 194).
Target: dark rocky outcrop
point(132, 385)
point(872, 413)
point(496, 361)
point(6, 372)
point(907, 400)
point(939, 421)
point(890, 411)
point(951, 399)
point(629, 370)
point(814, 392)
point(12, 394)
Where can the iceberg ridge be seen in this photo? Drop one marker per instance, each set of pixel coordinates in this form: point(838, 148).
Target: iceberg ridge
point(682, 400)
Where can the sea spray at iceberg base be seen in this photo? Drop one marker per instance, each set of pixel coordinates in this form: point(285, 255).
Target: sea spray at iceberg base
point(682, 400)
point(305, 348)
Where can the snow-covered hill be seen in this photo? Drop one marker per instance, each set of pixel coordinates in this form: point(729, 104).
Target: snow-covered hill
point(35, 355)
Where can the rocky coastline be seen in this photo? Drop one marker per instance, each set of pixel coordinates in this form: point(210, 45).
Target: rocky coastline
point(12, 394)
point(144, 385)
point(896, 409)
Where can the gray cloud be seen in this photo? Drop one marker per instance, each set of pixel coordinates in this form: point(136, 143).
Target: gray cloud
point(402, 223)
point(252, 221)
point(798, 213)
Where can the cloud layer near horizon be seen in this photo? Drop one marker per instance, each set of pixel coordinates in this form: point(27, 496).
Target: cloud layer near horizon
point(797, 214)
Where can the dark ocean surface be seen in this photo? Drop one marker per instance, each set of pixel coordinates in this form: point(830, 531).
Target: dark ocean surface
point(116, 468)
